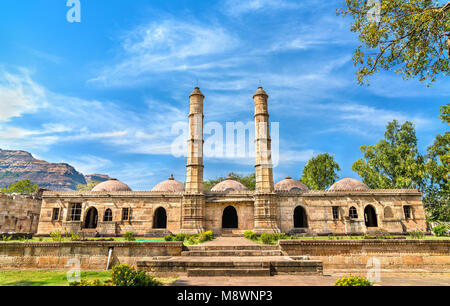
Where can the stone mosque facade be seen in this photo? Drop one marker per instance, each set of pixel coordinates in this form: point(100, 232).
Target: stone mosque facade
point(348, 207)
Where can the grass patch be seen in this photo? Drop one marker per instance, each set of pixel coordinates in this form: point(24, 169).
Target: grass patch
point(57, 278)
point(45, 278)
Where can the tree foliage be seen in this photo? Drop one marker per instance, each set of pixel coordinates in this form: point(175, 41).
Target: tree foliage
point(320, 172)
point(437, 189)
point(88, 186)
point(21, 187)
point(248, 181)
point(407, 36)
point(394, 162)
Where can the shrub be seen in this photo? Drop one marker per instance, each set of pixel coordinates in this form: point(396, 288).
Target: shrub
point(6, 238)
point(441, 230)
point(353, 281)
point(169, 238)
point(180, 237)
point(124, 275)
point(75, 237)
point(266, 238)
point(250, 235)
point(417, 234)
point(208, 235)
point(129, 236)
point(56, 236)
point(85, 283)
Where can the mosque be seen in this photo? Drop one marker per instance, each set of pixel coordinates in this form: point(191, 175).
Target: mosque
point(348, 207)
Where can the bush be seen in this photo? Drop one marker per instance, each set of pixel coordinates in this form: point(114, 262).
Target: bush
point(250, 235)
point(75, 237)
point(129, 236)
point(180, 237)
point(266, 238)
point(56, 236)
point(417, 234)
point(208, 236)
point(6, 238)
point(124, 275)
point(441, 230)
point(85, 283)
point(353, 281)
point(169, 238)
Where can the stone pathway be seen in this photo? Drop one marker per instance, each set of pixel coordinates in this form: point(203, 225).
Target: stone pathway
point(229, 241)
point(387, 279)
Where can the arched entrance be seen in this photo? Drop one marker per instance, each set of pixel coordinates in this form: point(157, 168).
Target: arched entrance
point(300, 217)
point(91, 218)
point(230, 218)
point(160, 218)
point(370, 216)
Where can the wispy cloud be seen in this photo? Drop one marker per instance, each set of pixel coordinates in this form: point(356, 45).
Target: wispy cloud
point(239, 7)
point(167, 46)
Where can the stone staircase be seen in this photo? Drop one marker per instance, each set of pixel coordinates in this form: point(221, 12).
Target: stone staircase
point(231, 260)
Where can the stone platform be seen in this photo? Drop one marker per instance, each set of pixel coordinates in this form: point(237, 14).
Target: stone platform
point(231, 256)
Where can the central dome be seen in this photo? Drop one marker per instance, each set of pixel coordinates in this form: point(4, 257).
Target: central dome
point(289, 184)
point(348, 184)
point(229, 185)
point(171, 185)
point(111, 185)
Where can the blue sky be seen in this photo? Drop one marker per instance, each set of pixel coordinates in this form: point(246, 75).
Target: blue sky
point(104, 94)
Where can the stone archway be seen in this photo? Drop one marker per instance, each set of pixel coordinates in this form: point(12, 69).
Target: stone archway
point(91, 218)
point(230, 218)
point(370, 216)
point(300, 217)
point(160, 218)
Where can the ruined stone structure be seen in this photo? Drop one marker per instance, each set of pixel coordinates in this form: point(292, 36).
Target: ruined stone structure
point(348, 207)
point(19, 213)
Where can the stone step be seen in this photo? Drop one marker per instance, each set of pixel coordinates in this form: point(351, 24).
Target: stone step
point(228, 272)
point(251, 247)
point(275, 265)
point(235, 253)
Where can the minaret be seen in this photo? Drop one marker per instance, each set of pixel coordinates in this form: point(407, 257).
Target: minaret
point(266, 201)
point(193, 205)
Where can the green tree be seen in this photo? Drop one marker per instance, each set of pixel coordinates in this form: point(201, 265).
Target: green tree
point(407, 36)
point(88, 186)
point(437, 189)
point(320, 172)
point(394, 162)
point(21, 187)
point(248, 181)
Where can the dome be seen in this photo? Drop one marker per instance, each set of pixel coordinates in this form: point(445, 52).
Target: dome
point(171, 185)
point(229, 185)
point(348, 184)
point(289, 184)
point(260, 92)
point(111, 185)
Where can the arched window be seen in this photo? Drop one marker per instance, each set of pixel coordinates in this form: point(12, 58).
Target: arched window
point(370, 216)
point(91, 218)
point(300, 217)
point(353, 213)
point(108, 215)
point(160, 218)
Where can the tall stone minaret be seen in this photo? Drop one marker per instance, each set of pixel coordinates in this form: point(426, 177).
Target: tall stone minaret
point(193, 205)
point(266, 201)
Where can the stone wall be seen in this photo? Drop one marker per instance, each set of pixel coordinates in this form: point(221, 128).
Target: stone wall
point(388, 206)
point(396, 255)
point(19, 213)
point(142, 207)
point(91, 255)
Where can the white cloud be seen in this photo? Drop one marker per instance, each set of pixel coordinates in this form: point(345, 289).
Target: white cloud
point(167, 46)
point(239, 7)
point(19, 95)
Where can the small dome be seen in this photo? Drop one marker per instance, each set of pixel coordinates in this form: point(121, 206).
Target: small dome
point(171, 185)
point(289, 184)
point(260, 92)
point(196, 92)
point(229, 185)
point(348, 184)
point(111, 185)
